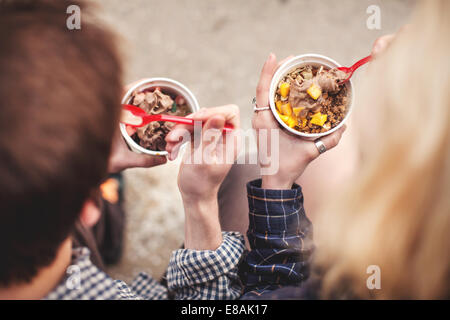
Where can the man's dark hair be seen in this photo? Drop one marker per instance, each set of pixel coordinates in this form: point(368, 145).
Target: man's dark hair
point(59, 108)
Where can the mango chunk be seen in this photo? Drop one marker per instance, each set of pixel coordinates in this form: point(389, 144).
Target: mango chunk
point(291, 120)
point(314, 91)
point(284, 118)
point(286, 109)
point(284, 89)
point(297, 110)
point(278, 105)
point(319, 119)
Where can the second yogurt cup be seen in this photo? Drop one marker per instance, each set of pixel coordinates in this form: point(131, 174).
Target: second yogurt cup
point(167, 85)
point(294, 63)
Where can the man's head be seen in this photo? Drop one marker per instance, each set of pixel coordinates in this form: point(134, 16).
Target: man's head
point(59, 106)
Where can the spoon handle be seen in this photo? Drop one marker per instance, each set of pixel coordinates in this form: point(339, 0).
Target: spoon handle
point(189, 121)
point(349, 71)
point(139, 118)
point(360, 63)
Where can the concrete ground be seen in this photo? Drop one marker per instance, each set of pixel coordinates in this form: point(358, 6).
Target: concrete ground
point(217, 48)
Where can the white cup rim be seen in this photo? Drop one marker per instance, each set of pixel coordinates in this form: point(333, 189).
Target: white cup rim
point(298, 61)
point(156, 82)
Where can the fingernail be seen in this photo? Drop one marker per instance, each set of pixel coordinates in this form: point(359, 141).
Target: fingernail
point(173, 136)
point(376, 49)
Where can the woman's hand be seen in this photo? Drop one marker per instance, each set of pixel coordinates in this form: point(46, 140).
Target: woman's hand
point(203, 169)
point(381, 44)
point(294, 153)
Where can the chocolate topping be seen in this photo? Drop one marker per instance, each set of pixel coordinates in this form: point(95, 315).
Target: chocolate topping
point(152, 136)
point(318, 98)
point(328, 81)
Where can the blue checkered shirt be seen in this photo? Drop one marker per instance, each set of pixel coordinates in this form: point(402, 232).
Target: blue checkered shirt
point(191, 274)
point(280, 237)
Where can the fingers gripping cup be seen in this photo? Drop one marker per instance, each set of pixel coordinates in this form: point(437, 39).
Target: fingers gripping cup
point(156, 96)
point(307, 98)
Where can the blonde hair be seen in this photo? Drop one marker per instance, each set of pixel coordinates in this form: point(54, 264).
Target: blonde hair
point(396, 213)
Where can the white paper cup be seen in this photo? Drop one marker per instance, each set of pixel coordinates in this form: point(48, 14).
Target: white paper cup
point(166, 85)
point(294, 63)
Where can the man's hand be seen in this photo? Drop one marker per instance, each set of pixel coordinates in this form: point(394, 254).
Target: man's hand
point(202, 180)
point(122, 158)
point(199, 182)
point(294, 153)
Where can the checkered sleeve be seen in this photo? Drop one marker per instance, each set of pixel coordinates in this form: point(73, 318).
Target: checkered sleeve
point(280, 237)
point(145, 287)
point(207, 274)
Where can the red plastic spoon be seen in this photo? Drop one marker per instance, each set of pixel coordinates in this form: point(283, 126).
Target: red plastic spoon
point(136, 117)
point(352, 69)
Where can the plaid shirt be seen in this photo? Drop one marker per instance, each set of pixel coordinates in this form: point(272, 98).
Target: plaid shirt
point(191, 274)
point(280, 237)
